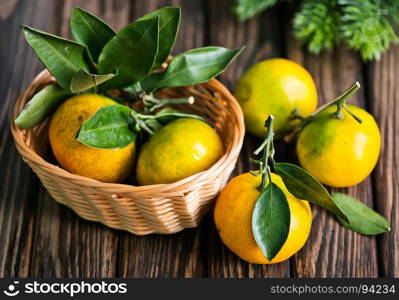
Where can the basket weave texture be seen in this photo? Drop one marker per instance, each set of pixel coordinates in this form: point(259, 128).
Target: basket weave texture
point(162, 208)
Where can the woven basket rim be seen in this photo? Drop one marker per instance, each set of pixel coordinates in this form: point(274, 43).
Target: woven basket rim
point(230, 153)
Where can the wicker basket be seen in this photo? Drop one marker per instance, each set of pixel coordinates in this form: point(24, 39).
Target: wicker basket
point(163, 208)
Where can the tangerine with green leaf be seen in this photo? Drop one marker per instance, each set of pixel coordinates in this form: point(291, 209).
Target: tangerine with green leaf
point(277, 87)
point(107, 165)
point(233, 219)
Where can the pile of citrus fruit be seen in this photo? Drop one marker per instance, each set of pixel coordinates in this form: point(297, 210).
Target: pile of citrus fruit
point(263, 216)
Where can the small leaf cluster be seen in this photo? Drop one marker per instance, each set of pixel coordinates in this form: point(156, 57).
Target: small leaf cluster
point(367, 26)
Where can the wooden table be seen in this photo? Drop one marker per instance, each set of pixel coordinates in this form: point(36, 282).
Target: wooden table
point(40, 238)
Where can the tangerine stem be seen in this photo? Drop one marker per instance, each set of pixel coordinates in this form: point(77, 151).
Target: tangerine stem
point(267, 147)
point(339, 101)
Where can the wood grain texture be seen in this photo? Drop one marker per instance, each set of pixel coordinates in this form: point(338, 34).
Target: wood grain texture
point(384, 97)
point(40, 238)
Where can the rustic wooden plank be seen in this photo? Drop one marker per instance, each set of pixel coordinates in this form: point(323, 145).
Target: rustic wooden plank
point(261, 36)
point(182, 254)
point(384, 96)
point(65, 245)
point(331, 250)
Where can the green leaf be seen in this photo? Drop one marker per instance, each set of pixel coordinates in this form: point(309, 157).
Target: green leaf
point(362, 218)
point(90, 31)
point(271, 220)
point(83, 80)
point(169, 20)
point(132, 52)
point(192, 67)
point(63, 58)
point(108, 128)
point(41, 105)
point(246, 9)
point(305, 186)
